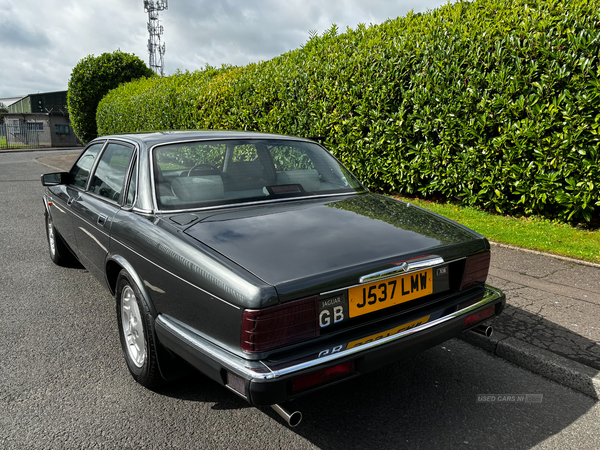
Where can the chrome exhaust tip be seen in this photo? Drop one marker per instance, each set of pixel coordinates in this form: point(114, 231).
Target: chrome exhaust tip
point(292, 418)
point(486, 330)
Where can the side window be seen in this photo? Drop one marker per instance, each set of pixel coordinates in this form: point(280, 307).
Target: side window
point(111, 171)
point(81, 170)
point(245, 152)
point(187, 156)
point(132, 186)
point(290, 158)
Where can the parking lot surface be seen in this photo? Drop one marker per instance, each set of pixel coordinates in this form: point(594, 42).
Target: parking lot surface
point(64, 383)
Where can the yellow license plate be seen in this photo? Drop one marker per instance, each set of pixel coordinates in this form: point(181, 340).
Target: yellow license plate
point(393, 291)
point(396, 330)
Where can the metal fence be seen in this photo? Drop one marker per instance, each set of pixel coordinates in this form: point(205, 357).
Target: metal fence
point(20, 135)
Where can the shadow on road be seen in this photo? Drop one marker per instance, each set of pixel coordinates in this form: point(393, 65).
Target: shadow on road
point(428, 401)
point(431, 401)
point(535, 330)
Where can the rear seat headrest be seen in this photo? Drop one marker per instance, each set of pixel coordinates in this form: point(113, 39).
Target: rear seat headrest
point(197, 189)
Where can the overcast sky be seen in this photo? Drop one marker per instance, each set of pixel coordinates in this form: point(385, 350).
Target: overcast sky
point(42, 40)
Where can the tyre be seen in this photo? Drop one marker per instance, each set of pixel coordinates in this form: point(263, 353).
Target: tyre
point(59, 252)
point(136, 332)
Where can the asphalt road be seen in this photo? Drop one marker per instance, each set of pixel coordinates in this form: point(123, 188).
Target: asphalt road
point(64, 383)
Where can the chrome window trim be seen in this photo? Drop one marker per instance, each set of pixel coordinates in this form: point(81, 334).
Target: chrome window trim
point(134, 162)
point(241, 366)
point(141, 211)
point(259, 202)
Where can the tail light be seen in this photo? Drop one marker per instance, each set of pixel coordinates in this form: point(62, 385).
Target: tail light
point(277, 326)
point(322, 376)
point(480, 316)
point(476, 270)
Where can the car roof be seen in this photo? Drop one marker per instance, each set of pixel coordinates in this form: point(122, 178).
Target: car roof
point(165, 137)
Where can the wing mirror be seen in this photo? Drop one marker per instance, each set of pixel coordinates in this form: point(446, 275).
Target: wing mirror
point(54, 179)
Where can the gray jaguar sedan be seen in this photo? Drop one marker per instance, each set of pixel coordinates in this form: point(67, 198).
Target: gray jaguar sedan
point(261, 261)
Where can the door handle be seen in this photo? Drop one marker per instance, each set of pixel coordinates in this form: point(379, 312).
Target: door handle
point(71, 200)
point(102, 219)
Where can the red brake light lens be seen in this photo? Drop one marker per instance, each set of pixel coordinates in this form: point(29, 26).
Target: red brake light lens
point(322, 376)
point(277, 326)
point(476, 270)
point(480, 316)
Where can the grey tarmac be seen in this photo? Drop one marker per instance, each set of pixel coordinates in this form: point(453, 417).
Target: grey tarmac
point(64, 384)
point(551, 324)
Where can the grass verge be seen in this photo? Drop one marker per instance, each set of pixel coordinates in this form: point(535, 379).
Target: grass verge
point(531, 233)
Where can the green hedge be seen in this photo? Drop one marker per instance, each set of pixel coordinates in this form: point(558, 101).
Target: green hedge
point(493, 102)
point(164, 103)
point(91, 79)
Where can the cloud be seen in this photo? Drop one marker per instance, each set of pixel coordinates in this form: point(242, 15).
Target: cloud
point(42, 40)
point(23, 34)
point(235, 32)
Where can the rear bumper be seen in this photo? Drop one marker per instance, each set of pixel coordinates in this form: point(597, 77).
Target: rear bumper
point(267, 382)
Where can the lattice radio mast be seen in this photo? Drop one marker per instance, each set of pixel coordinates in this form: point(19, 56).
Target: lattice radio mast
point(155, 48)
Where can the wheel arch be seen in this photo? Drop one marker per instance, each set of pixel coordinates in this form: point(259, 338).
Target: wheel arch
point(46, 205)
point(171, 367)
point(114, 265)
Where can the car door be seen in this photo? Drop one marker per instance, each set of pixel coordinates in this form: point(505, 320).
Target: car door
point(64, 195)
point(95, 208)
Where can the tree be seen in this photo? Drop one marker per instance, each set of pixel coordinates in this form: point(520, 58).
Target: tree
point(3, 111)
point(92, 78)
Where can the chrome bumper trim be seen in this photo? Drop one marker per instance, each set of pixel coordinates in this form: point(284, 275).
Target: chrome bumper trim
point(261, 371)
point(404, 268)
point(391, 274)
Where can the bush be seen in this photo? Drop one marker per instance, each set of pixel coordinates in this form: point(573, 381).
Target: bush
point(152, 104)
point(495, 103)
point(91, 79)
